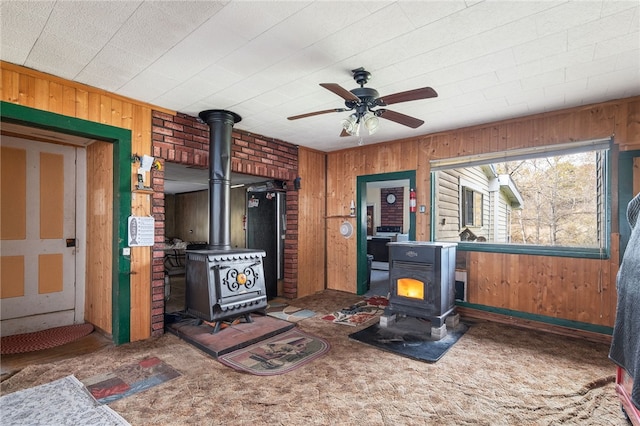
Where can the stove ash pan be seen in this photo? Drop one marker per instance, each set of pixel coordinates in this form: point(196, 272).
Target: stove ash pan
point(223, 284)
point(422, 280)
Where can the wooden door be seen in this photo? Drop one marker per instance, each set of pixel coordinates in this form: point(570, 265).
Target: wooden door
point(38, 232)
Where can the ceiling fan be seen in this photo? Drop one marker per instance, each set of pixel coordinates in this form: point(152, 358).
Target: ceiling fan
point(362, 100)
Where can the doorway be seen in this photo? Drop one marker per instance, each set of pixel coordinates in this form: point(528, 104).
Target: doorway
point(375, 184)
point(17, 120)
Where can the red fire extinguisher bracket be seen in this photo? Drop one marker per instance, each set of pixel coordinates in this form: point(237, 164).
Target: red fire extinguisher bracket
point(412, 200)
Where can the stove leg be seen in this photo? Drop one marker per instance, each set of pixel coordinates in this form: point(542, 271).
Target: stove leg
point(248, 318)
point(438, 333)
point(216, 328)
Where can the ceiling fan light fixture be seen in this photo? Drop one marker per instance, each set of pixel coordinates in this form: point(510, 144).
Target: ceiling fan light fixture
point(351, 125)
point(371, 122)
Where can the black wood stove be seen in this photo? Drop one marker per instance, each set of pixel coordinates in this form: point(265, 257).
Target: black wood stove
point(422, 282)
point(221, 282)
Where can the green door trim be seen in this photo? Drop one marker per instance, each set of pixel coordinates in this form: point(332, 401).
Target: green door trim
point(361, 215)
point(121, 139)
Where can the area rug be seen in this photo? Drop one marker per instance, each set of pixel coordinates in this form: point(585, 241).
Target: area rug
point(45, 339)
point(410, 338)
point(290, 313)
point(360, 313)
point(277, 355)
point(61, 402)
point(129, 379)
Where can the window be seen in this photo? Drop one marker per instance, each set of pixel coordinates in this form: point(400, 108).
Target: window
point(546, 200)
point(471, 207)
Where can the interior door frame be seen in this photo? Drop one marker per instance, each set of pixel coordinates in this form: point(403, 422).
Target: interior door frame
point(121, 140)
point(361, 215)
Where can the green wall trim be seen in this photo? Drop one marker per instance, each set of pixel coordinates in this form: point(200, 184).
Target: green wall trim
point(121, 139)
point(361, 222)
point(625, 195)
point(539, 318)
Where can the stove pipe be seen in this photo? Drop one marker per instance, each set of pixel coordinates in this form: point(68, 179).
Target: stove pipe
point(221, 124)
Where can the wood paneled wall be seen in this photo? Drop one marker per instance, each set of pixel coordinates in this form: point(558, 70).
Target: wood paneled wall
point(42, 91)
point(98, 276)
point(311, 222)
point(567, 288)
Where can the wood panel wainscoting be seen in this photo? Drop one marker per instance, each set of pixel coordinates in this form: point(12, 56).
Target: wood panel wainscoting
point(556, 288)
point(40, 91)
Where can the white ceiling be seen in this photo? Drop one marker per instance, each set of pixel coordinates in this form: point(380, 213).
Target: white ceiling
point(488, 60)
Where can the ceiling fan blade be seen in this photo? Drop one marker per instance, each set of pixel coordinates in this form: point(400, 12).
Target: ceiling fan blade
point(409, 95)
point(340, 91)
point(403, 119)
point(310, 114)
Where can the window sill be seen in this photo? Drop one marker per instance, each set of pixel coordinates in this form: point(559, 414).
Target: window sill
point(577, 252)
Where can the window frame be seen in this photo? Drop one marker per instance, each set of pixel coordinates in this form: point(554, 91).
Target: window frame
point(602, 252)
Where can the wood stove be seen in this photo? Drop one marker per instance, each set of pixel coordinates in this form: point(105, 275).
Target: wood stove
point(422, 282)
point(222, 283)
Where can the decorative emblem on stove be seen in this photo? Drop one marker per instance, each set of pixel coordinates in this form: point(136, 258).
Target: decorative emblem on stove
point(235, 279)
point(411, 253)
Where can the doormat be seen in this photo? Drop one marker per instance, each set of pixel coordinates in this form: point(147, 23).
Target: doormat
point(45, 339)
point(290, 313)
point(277, 355)
point(360, 313)
point(410, 338)
point(61, 402)
point(129, 379)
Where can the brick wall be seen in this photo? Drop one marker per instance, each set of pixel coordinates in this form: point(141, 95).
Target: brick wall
point(183, 139)
point(392, 214)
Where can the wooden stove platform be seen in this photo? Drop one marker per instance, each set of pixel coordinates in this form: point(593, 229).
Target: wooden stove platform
point(234, 336)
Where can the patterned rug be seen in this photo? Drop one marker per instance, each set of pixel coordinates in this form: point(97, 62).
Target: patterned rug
point(45, 339)
point(279, 354)
point(289, 313)
point(360, 313)
point(61, 402)
point(129, 379)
